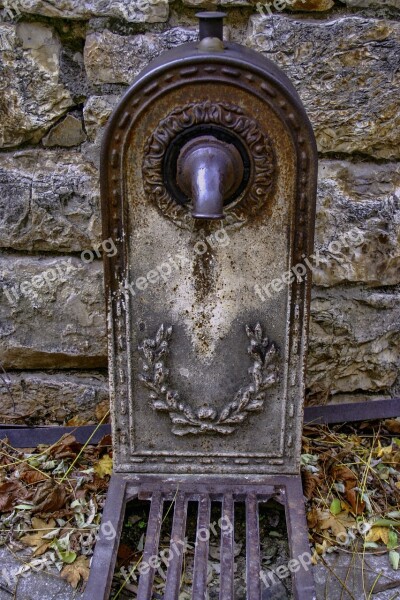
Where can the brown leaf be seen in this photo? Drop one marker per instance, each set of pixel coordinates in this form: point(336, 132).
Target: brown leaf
point(97, 484)
point(63, 513)
point(125, 554)
point(343, 473)
point(336, 523)
point(32, 476)
point(67, 447)
point(310, 483)
point(11, 493)
point(49, 497)
point(77, 570)
point(35, 540)
point(392, 425)
point(102, 409)
point(354, 499)
point(106, 441)
point(77, 421)
point(312, 518)
point(349, 479)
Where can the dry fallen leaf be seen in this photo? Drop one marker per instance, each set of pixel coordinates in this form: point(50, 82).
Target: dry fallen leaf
point(349, 479)
point(384, 450)
point(75, 571)
point(338, 524)
point(67, 447)
point(104, 466)
point(32, 476)
point(125, 554)
point(343, 473)
point(310, 483)
point(105, 441)
point(378, 533)
point(77, 421)
point(102, 409)
point(355, 501)
point(11, 492)
point(49, 497)
point(312, 518)
point(35, 539)
point(392, 425)
point(97, 484)
point(321, 549)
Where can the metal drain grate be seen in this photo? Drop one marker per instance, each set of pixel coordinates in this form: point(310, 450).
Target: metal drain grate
point(285, 490)
point(174, 569)
point(204, 495)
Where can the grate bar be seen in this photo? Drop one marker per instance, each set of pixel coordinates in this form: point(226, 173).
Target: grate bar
point(253, 563)
point(285, 489)
point(177, 546)
point(201, 552)
point(216, 490)
point(227, 547)
point(151, 546)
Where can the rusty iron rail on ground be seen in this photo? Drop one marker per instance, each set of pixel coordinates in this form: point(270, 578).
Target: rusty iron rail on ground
point(21, 436)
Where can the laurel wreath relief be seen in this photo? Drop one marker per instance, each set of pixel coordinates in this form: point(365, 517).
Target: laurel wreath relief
point(206, 419)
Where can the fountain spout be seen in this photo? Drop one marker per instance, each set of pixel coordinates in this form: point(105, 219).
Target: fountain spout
point(209, 171)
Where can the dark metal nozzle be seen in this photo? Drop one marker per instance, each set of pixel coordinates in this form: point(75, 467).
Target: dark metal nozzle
point(209, 171)
point(211, 24)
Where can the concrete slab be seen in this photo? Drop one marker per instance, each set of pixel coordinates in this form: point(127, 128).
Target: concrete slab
point(380, 581)
point(33, 586)
point(370, 578)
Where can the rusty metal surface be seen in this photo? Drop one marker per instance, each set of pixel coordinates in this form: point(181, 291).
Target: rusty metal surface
point(227, 549)
point(21, 436)
point(105, 555)
point(183, 394)
point(284, 489)
point(209, 299)
point(151, 545)
point(174, 572)
point(200, 569)
point(210, 24)
point(209, 171)
point(356, 411)
point(253, 559)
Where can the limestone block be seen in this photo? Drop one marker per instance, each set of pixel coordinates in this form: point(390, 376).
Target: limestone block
point(32, 96)
point(358, 224)
point(372, 3)
point(354, 342)
point(96, 113)
point(45, 398)
point(67, 133)
point(134, 11)
point(113, 58)
point(52, 313)
point(275, 5)
point(346, 71)
point(49, 201)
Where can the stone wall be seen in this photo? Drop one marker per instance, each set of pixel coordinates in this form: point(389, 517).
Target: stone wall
point(64, 66)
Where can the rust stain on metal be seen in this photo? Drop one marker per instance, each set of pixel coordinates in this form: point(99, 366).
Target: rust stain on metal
point(209, 296)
